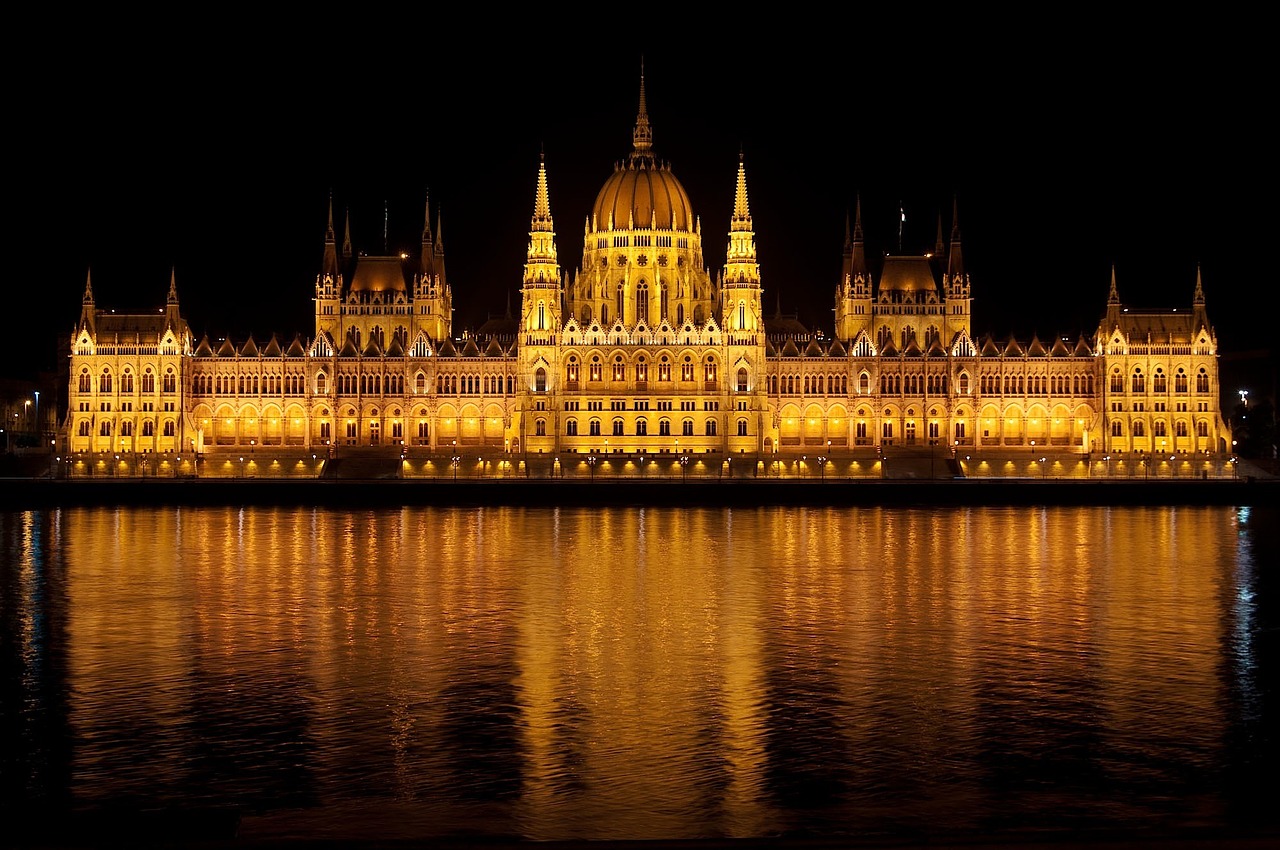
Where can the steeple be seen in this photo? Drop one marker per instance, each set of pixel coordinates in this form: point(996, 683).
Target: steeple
point(426, 262)
point(171, 315)
point(853, 292)
point(1113, 304)
point(88, 311)
point(955, 259)
point(330, 265)
point(1199, 315)
point(541, 295)
point(740, 283)
point(642, 135)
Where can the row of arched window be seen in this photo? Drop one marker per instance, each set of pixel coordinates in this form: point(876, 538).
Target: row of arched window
point(1075, 384)
point(146, 383)
point(1159, 382)
point(642, 428)
point(105, 428)
point(1159, 428)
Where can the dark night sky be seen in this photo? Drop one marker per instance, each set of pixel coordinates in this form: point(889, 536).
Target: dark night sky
point(214, 150)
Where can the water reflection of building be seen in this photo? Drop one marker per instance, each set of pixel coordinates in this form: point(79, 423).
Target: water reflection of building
point(641, 352)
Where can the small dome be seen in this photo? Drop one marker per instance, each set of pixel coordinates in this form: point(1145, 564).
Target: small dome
point(644, 194)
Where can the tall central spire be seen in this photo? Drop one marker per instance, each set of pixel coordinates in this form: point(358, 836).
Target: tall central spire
point(642, 136)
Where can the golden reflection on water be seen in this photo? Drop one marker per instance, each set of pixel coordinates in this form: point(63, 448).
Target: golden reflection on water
point(637, 672)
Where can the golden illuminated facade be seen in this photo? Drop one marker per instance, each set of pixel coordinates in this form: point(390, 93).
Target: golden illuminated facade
point(643, 354)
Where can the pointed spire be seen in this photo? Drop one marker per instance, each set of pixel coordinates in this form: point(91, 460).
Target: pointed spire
point(346, 239)
point(858, 257)
point(938, 246)
point(426, 261)
point(1198, 298)
point(741, 212)
point(88, 287)
point(173, 286)
point(542, 199)
point(1114, 296)
point(955, 261)
point(331, 262)
point(328, 234)
point(642, 136)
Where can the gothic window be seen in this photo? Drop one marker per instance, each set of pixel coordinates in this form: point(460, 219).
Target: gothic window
point(709, 371)
point(83, 430)
point(540, 380)
point(619, 370)
point(1180, 382)
point(864, 383)
point(711, 427)
point(170, 381)
point(686, 369)
point(322, 383)
point(686, 428)
point(1117, 428)
point(1139, 429)
point(1117, 382)
point(642, 427)
point(1180, 428)
point(540, 428)
point(126, 383)
point(742, 379)
point(104, 429)
point(642, 302)
point(742, 427)
point(571, 428)
point(1159, 430)
point(104, 384)
point(642, 369)
point(604, 314)
point(618, 296)
point(420, 383)
point(148, 428)
point(542, 316)
point(126, 428)
point(1139, 384)
point(1202, 382)
point(664, 369)
point(597, 369)
point(1159, 383)
point(663, 292)
point(1202, 428)
point(84, 382)
point(679, 314)
point(617, 427)
point(664, 427)
point(594, 427)
point(571, 371)
point(148, 382)
point(168, 428)
point(964, 383)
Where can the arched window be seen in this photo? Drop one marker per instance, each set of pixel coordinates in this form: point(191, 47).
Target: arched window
point(617, 427)
point(662, 299)
point(1202, 382)
point(126, 383)
point(1159, 383)
point(1202, 428)
point(540, 380)
point(664, 427)
point(1159, 429)
point(571, 428)
point(642, 301)
point(542, 316)
point(597, 368)
point(1180, 428)
point(594, 428)
point(1139, 385)
point(642, 369)
point(1180, 382)
point(686, 369)
point(170, 381)
point(964, 383)
point(664, 369)
point(420, 383)
point(322, 383)
point(1117, 382)
point(83, 430)
point(686, 428)
point(104, 429)
point(148, 382)
point(618, 295)
point(619, 370)
point(148, 428)
point(709, 371)
point(104, 383)
point(711, 427)
point(540, 428)
point(126, 428)
point(85, 384)
point(742, 379)
point(1117, 428)
point(742, 427)
point(1139, 429)
point(168, 427)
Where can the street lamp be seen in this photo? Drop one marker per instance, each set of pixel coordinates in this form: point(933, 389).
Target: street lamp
point(684, 467)
point(454, 461)
point(39, 430)
point(1244, 397)
point(591, 466)
point(822, 468)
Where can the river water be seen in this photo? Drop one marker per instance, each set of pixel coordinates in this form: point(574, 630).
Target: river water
point(904, 673)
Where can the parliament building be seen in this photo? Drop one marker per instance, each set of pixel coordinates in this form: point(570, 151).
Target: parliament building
point(643, 361)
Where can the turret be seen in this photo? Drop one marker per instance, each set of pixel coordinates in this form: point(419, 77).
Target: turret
point(739, 295)
point(329, 280)
point(955, 283)
point(541, 291)
point(853, 292)
point(88, 310)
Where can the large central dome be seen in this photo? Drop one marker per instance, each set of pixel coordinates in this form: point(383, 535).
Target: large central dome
point(642, 192)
